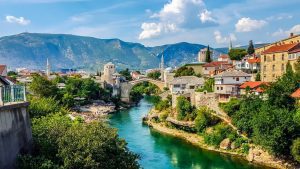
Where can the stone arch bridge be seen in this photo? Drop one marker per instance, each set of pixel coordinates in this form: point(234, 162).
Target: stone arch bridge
point(126, 87)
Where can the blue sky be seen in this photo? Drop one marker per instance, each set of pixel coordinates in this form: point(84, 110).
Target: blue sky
point(156, 22)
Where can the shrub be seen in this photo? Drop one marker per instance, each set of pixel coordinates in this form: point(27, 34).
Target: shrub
point(163, 116)
point(205, 119)
point(295, 149)
point(231, 107)
point(183, 107)
point(43, 106)
point(220, 132)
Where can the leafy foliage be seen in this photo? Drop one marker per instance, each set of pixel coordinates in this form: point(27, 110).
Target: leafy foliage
point(183, 107)
point(204, 119)
point(258, 76)
point(237, 54)
point(44, 106)
point(219, 133)
point(231, 107)
point(126, 74)
point(208, 86)
point(138, 90)
point(185, 71)
point(154, 75)
point(42, 87)
point(295, 149)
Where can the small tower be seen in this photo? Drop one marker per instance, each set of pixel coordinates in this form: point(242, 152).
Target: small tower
point(162, 69)
point(48, 68)
point(230, 44)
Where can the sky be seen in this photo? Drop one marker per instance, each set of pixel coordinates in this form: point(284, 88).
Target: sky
point(156, 22)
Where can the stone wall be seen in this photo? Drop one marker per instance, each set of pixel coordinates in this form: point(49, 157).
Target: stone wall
point(205, 99)
point(15, 133)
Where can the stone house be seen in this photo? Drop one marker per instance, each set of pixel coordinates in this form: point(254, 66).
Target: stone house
point(185, 84)
point(215, 67)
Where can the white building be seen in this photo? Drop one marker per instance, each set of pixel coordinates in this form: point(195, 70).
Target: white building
point(227, 84)
point(109, 70)
point(185, 84)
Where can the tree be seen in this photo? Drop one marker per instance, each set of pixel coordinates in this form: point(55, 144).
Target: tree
point(126, 74)
point(257, 77)
point(208, 55)
point(185, 71)
point(95, 145)
point(295, 149)
point(183, 107)
point(250, 49)
point(154, 75)
point(208, 86)
point(44, 106)
point(42, 87)
point(237, 54)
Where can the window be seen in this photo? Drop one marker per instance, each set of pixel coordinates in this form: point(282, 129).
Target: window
point(192, 87)
point(273, 68)
point(282, 67)
point(237, 79)
point(217, 88)
point(274, 57)
point(282, 57)
point(176, 86)
point(221, 88)
point(265, 58)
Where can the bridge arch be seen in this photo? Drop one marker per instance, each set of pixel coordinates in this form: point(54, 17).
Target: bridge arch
point(126, 87)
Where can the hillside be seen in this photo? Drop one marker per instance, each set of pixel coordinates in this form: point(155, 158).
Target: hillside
point(69, 51)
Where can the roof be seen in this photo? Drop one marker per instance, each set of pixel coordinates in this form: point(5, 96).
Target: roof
point(2, 69)
point(215, 64)
point(281, 48)
point(195, 64)
point(187, 80)
point(297, 50)
point(233, 73)
point(224, 56)
point(254, 60)
point(296, 94)
point(252, 85)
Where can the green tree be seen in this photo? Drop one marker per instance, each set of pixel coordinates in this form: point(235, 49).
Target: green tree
point(185, 71)
point(183, 107)
point(154, 75)
point(208, 86)
point(44, 106)
point(295, 149)
point(257, 77)
point(237, 54)
point(126, 74)
point(95, 146)
point(208, 55)
point(250, 49)
point(42, 87)
point(12, 73)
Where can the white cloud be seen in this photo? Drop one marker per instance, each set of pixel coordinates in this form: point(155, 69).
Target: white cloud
point(151, 30)
point(282, 33)
point(220, 39)
point(248, 24)
point(20, 20)
point(177, 15)
point(206, 16)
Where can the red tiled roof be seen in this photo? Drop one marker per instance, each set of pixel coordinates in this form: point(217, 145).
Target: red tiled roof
point(281, 48)
point(2, 68)
point(254, 60)
point(252, 85)
point(215, 64)
point(224, 56)
point(296, 94)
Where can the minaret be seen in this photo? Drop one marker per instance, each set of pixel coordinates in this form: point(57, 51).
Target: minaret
point(162, 70)
point(48, 71)
point(230, 45)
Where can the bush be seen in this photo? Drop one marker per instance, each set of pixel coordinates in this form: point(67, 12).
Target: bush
point(162, 105)
point(204, 119)
point(245, 148)
point(239, 141)
point(44, 106)
point(183, 107)
point(231, 107)
point(163, 116)
point(30, 162)
point(295, 149)
point(220, 132)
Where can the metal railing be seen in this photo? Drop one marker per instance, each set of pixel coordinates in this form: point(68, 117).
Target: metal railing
point(12, 94)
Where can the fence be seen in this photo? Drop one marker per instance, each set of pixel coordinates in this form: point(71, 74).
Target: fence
point(11, 94)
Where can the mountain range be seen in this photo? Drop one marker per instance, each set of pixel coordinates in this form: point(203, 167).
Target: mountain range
point(31, 50)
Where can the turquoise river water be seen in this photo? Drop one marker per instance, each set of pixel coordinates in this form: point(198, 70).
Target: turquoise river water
point(160, 151)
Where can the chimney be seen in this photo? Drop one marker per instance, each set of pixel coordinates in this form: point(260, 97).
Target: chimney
point(291, 34)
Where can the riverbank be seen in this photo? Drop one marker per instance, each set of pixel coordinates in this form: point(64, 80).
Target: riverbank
point(256, 155)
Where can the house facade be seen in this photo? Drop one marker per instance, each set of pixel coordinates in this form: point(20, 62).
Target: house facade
point(185, 84)
point(228, 82)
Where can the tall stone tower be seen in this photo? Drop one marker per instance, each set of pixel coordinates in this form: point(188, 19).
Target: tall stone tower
point(48, 68)
point(202, 54)
point(230, 45)
point(109, 70)
point(162, 68)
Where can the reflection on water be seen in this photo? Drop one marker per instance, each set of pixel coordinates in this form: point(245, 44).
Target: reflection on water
point(160, 151)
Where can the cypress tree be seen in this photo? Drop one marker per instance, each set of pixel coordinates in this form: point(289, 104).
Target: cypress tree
point(250, 50)
point(208, 57)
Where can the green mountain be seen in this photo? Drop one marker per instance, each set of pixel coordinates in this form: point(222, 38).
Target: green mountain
point(31, 50)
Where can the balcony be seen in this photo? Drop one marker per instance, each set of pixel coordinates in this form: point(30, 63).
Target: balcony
point(12, 94)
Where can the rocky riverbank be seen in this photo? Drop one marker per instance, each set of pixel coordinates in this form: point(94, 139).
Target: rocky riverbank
point(255, 155)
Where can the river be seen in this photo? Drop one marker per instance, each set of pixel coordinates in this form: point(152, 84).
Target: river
point(160, 151)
